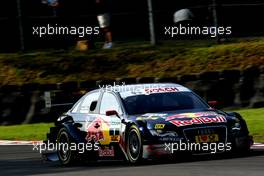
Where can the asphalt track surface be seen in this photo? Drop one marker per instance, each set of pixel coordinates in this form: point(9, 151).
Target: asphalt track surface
point(22, 160)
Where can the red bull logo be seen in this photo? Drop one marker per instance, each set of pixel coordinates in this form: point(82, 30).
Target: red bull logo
point(196, 118)
point(95, 132)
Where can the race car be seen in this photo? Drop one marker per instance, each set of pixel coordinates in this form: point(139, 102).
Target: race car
point(144, 121)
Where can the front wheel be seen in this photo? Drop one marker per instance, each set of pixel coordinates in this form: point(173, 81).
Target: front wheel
point(134, 145)
point(65, 154)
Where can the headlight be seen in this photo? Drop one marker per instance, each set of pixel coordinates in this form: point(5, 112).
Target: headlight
point(162, 133)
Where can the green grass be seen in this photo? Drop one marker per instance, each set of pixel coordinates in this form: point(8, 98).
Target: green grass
point(255, 122)
point(134, 59)
point(253, 117)
point(25, 132)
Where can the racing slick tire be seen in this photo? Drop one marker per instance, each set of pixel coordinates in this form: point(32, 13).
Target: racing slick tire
point(134, 148)
point(65, 154)
point(242, 149)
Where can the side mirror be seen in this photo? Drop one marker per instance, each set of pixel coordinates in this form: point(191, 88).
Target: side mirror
point(213, 104)
point(111, 112)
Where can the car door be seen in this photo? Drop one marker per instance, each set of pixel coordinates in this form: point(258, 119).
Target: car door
point(111, 125)
point(83, 112)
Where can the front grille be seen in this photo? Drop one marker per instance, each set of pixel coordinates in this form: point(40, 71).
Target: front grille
point(221, 131)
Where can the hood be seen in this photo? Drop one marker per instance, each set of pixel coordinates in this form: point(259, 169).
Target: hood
point(170, 120)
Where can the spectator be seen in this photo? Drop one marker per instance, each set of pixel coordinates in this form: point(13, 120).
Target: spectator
point(103, 17)
point(53, 3)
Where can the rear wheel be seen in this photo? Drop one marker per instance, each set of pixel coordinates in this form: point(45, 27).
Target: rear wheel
point(134, 145)
point(64, 141)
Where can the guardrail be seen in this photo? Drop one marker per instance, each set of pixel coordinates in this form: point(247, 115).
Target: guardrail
point(41, 103)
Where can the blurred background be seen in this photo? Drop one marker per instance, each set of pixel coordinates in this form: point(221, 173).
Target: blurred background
point(39, 81)
point(130, 20)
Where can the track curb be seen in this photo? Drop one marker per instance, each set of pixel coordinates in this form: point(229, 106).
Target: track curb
point(10, 142)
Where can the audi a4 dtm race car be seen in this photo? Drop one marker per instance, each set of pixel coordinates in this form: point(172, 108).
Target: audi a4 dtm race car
point(141, 121)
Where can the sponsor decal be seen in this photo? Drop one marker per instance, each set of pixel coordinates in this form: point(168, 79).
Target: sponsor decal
point(147, 118)
point(106, 151)
point(115, 138)
point(206, 131)
point(95, 132)
point(150, 116)
point(191, 115)
point(114, 135)
point(113, 123)
point(103, 132)
point(196, 118)
point(161, 90)
point(159, 126)
point(207, 138)
point(154, 115)
point(114, 131)
point(170, 139)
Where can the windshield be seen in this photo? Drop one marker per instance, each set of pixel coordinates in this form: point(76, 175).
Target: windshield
point(159, 102)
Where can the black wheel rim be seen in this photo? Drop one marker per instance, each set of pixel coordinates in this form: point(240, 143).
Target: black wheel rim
point(134, 145)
